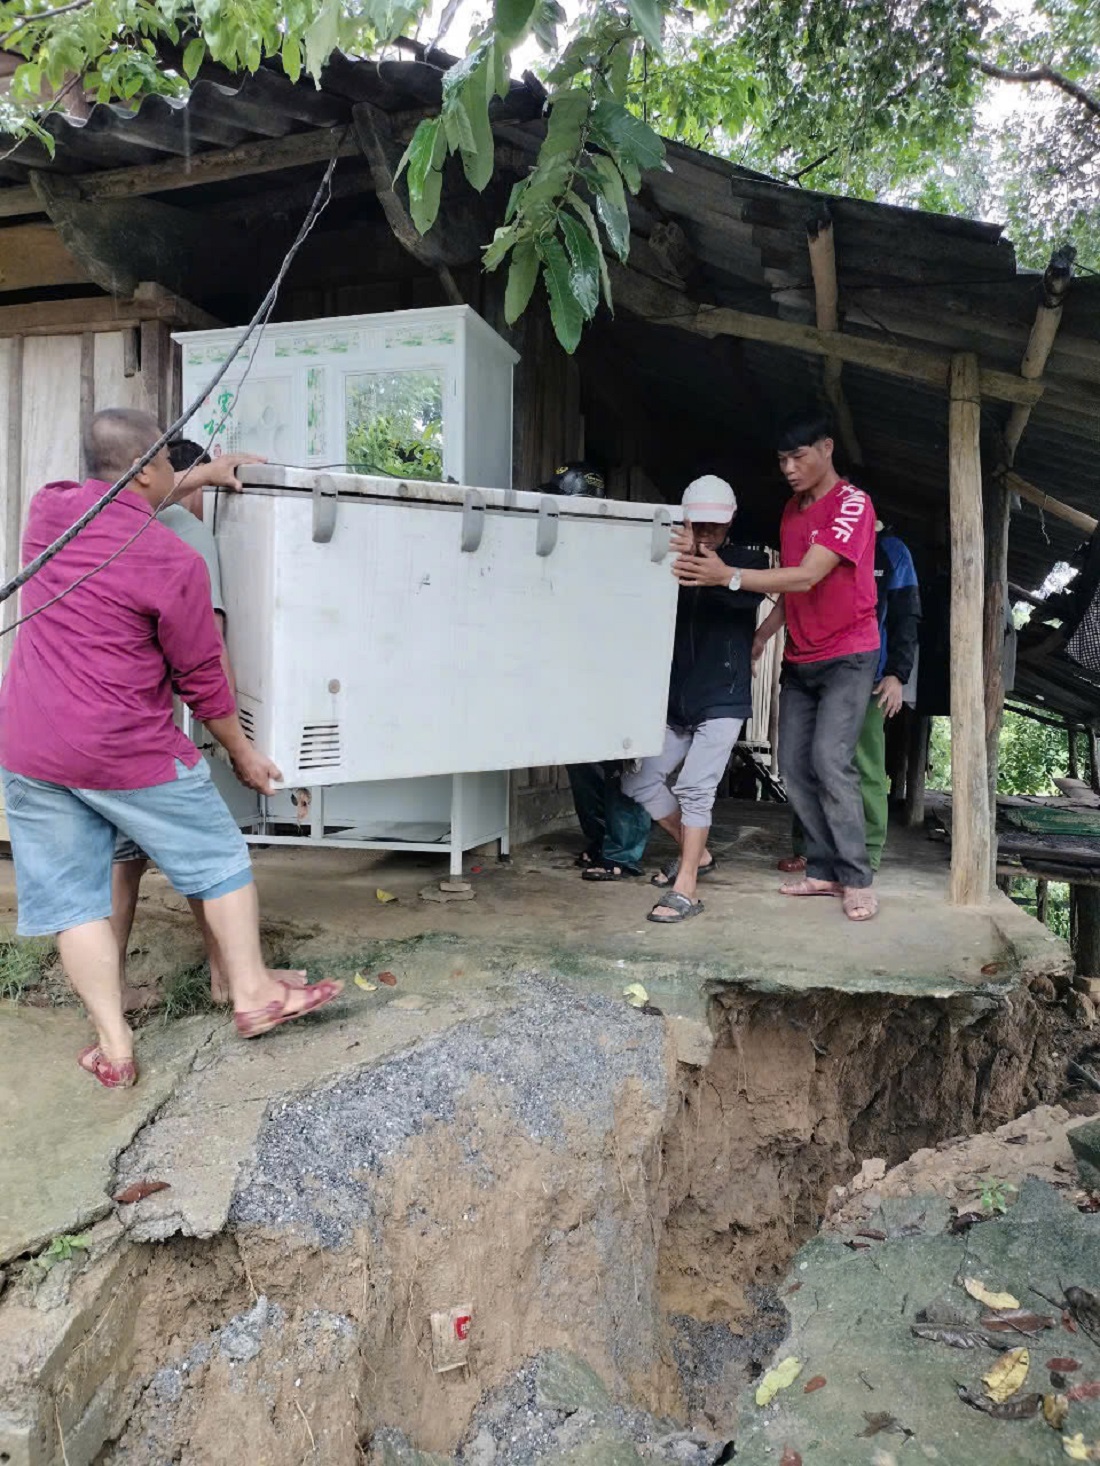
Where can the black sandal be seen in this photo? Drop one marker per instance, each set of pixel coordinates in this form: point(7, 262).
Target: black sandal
point(667, 875)
point(607, 870)
point(679, 905)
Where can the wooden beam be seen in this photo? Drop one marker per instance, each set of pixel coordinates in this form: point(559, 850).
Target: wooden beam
point(18, 201)
point(819, 237)
point(912, 363)
point(994, 625)
point(102, 313)
point(1054, 507)
point(1048, 317)
point(35, 255)
point(971, 835)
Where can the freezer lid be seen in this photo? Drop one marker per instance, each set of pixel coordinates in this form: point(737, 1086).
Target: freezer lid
point(268, 477)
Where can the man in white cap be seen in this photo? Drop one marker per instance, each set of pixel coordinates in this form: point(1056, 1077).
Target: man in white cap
point(710, 696)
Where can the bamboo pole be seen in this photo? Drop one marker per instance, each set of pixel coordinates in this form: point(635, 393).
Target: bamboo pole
point(916, 773)
point(994, 621)
point(971, 835)
point(822, 246)
point(1073, 770)
point(1048, 317)
point(1094, 762)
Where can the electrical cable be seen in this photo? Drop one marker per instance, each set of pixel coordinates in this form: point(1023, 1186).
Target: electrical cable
point(259, 320)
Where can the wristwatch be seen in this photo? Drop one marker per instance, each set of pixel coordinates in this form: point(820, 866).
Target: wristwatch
point(735, 580)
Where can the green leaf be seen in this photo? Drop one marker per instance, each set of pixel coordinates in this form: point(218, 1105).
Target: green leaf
point(457, 125)
point(514, 198)
point(292, 58)
point(568, 115)
point(425, 179)
point(646, 15)
point(611, 204)
point(522, 274)
point(511, 18)
point(565, 310)
point(477, 159)
point(321, 38)
point(579, 206)
point(627, 138)
point(584, 260)
point(193, 55)
point(502, 241)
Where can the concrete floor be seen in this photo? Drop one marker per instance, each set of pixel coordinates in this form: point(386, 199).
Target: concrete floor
point(59, 1134)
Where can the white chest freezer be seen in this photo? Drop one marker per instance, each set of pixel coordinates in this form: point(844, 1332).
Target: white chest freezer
point(387, 630)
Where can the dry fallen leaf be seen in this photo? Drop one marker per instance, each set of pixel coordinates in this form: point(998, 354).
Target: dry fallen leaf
point(1055, 1410)
point(790, 1458)
point(1007, 1375)
point(361, 982)
point(778, 1379)
point(1063, 1364)
point(636, 995)
point(817, 1383)
point(387, 978)
point(990, 968)
point(1017, 1320)
point(984, 1295)
point(384, 896)
point(1089, 1390)
point(1076, 1449)
point(139, 1191)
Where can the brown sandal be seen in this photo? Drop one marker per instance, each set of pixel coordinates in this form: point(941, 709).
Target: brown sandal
point(860, 898)
point(262, 1020)
point(810, 887)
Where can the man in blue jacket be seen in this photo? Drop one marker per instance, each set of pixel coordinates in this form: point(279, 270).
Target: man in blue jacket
point(710, 696)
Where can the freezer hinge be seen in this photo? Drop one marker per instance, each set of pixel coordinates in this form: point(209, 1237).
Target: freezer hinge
point(325, 497)
point(546, 537)
point(662, 535)
point(473, 520)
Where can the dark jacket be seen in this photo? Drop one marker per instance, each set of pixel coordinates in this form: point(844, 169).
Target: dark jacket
point(712, 653)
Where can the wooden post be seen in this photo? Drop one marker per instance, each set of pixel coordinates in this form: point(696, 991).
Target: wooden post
point(1073, 769)
point(1085, 901)
point(917, 772)
point(1094, 762)
point(971, 838)
point(1042, 900)
point(997, 515)
point(819, 235)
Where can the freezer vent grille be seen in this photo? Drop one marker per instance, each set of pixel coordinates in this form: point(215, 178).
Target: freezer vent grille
point(247, 720)
point(320, 746)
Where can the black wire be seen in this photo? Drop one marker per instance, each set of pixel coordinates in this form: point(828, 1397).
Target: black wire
point(263, 312)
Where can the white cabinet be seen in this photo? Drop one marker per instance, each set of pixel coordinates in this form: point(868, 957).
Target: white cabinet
point(424, 394)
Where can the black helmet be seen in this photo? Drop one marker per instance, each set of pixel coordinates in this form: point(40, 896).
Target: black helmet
point(577, 479)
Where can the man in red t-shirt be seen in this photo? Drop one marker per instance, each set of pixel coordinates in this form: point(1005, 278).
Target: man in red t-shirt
point(825, 589)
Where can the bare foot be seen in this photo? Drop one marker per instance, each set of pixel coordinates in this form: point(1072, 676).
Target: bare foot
point(294, 977)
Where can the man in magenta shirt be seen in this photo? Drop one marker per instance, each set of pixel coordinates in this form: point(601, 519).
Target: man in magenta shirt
point(826, 595)
point(120, 619)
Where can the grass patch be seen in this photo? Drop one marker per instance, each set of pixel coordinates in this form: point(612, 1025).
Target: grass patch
point(187, 992)
point(23, 964)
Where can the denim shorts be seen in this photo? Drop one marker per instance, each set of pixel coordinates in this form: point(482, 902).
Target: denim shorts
point(63, 841)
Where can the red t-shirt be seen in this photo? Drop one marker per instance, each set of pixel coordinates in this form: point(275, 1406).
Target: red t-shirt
point(837, 618)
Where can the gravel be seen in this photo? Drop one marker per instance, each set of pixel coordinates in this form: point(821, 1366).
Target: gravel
point(554, 1057)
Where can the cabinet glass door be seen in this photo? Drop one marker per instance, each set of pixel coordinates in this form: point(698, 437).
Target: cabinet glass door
point(395, 423)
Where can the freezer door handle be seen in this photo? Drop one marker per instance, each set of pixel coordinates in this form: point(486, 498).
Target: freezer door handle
point(473, 520)
point(662, 536)
point(547, 535)
point(325, 498)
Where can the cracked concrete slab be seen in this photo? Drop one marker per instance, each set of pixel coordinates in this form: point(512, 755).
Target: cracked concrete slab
point(59, 1131)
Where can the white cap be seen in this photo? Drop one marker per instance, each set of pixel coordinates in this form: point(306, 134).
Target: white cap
point(709, 500)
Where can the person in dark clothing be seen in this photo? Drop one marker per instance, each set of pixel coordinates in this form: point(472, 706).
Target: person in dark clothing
point(710, 696)
point(615, 828)
point(899, 613)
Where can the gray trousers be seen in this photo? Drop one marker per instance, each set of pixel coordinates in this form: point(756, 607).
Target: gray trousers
point(822, 706)
point(701, 754)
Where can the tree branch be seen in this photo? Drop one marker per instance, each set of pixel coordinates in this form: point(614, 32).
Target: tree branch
point(42, 15)
point(1041, 73)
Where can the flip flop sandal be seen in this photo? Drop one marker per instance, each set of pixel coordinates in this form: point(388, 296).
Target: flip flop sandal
point(860, 898)
point(262, 1020)
point(683, 908)
point(667, 874)
point(803, 888)
point(605, 871)
point(112, 1076)
point(585, 859)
